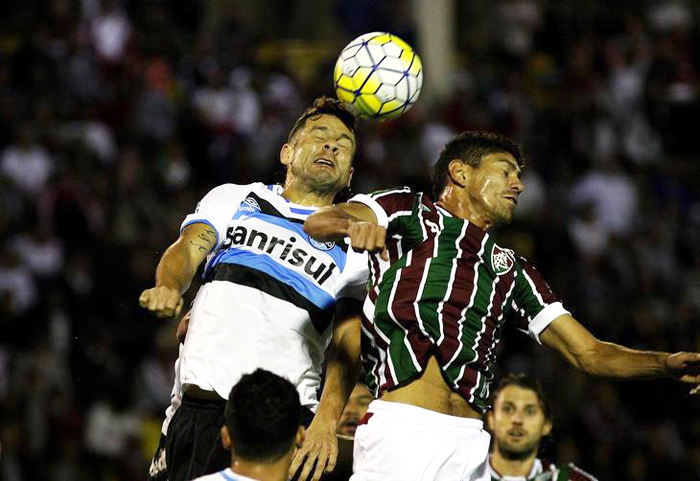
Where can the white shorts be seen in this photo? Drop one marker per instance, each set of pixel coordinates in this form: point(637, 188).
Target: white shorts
point(407, 443)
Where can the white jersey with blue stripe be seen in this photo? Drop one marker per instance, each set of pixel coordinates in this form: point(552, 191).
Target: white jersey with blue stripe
point(269, 292)
point(224, 475)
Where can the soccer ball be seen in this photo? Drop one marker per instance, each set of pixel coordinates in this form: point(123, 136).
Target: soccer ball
point(378, 76)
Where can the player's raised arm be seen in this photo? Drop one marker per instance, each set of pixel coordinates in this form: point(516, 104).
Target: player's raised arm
point(176, 269)
point(353, 220)
point(599, 358)
point(319, 452)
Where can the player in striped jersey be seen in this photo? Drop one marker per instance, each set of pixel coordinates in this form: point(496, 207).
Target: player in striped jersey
point(520, 418)
point(442, 291)
point(269, 295)
point(262, 429)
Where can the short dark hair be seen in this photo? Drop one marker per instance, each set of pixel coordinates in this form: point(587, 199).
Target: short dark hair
point(526, 382)
point(263, 415)
point(470, 147)
point(329, 106)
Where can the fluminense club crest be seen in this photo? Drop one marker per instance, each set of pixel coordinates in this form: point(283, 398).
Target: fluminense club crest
point(502, 260)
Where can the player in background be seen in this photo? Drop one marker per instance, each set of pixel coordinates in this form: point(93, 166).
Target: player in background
point(355, 409)
point(442, 291)
point(268, 299)
point(262, 429)
point(520, 418)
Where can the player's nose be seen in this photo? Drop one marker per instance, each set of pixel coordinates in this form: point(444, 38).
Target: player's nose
point(330, 147)
point(517, 185)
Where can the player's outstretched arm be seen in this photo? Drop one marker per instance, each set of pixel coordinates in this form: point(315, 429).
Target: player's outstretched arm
point(319, 452)
point(593, 356)
point(176, 269)
point(353, 220)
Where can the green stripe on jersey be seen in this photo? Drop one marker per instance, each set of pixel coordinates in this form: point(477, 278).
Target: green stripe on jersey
point(400, 359)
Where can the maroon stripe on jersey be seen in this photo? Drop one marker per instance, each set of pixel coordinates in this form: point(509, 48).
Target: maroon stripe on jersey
point(395, 201)
point(382, 346)
point(488, 340)
point(462, 288)
point(540, 284)
point(467, 382)
point(406, 293)
point(402, 307)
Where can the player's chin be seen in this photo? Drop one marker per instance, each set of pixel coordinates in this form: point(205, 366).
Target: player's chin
point(504, 217)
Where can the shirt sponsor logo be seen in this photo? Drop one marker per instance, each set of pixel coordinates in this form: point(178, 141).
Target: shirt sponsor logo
point(283, 249)
point(502, 260)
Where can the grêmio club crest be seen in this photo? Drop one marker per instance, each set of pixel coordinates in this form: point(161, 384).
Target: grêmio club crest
point(502, 260)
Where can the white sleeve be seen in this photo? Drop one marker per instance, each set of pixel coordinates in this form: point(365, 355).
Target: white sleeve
point(382, 218)
point(352, 282)
point(217, 208)
point(545, 317)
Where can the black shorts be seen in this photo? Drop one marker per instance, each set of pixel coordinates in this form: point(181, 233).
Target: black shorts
point(193, 446)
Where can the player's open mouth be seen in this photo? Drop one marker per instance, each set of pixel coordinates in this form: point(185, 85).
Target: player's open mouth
point(325, 162)
point(512, 199)
point(516, 433)
point(350, 425)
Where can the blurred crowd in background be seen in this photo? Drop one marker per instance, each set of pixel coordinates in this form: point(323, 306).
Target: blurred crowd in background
point(116, 117)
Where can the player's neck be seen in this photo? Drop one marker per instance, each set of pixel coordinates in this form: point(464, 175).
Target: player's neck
point(512, 467)
point(462, 206)
point(307, 197)
point(274, 471)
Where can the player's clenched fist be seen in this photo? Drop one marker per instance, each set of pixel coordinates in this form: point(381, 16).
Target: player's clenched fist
point(367, 236)
point(162, 301)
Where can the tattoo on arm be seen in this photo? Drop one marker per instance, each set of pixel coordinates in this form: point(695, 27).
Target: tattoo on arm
point(199, 246)
point(208, 238)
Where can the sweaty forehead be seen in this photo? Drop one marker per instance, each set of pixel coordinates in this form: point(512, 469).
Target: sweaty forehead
point(500, 158)
point(327, 123)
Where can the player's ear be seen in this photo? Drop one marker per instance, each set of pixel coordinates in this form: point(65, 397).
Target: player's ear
point(458, 172)
point(286, 154)
point(301, 435)
point(225, 438)
point(350, 177)
point(547, 428)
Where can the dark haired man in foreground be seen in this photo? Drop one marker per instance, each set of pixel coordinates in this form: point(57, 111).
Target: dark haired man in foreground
point(442, 291)
point(262, 429)
point(268, 300)
point(519, 420)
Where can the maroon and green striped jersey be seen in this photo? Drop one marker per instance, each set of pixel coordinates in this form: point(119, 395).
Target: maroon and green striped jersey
point(447, 289)
point(543, 470)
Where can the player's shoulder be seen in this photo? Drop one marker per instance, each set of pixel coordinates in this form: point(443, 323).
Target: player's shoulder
point(227, 193)
point(220, 476)
point(224, 475)
point(403, 198)
point(578, 474)
point(237, 188)
point(571, 472)
point(394, 191)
